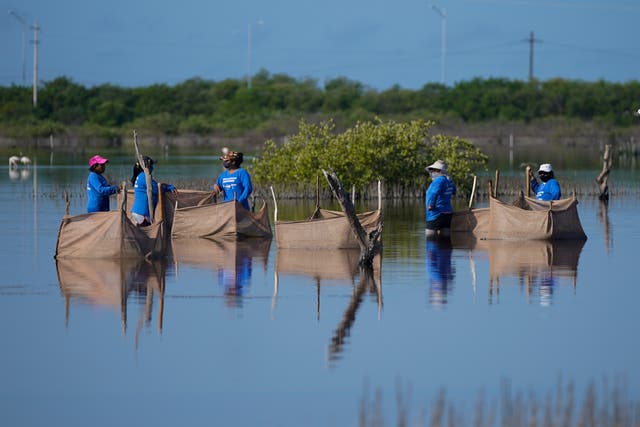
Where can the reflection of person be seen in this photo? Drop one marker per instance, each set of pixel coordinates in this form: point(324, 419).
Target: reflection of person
point(438, 203)
point(548, 189)
point(98, 189)
point(235, 279)
point(234, 182)
point(440, 269)
point(547, 284)
point(140, 209)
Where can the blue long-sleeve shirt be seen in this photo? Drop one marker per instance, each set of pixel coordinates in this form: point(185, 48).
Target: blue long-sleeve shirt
point(549, 190)
point(439, 196)
point(238, 183)
point(98, 192)
point(141, 202)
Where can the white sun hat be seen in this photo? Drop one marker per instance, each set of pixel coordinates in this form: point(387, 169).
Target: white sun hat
point(439, 165)
point(545, 167)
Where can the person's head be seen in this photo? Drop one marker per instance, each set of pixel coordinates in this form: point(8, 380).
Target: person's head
point(437, 168)
point(231, 159)
point(98, 164)
point(137, 168)
point(545, 172)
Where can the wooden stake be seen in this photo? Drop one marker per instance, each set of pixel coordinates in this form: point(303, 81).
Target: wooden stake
point(473, 191)
point(527, 180)
point(603, 177)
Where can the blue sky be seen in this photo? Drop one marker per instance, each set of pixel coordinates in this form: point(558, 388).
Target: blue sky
point(377, 42)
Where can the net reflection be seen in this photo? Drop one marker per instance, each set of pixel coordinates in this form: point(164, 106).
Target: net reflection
point(539, 266)
point(336, 267)
point(440, 270)
point(231, 259)
point(111, 282)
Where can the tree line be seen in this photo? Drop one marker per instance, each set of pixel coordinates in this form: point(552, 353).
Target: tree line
point(275, 103)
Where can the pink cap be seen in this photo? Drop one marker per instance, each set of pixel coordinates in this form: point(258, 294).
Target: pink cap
point(97, 160)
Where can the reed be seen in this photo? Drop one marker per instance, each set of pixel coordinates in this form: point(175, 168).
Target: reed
point(606, 405)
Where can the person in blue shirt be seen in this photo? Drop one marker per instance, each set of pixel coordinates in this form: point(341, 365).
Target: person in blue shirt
point(234, 182)
point(140, 208)
point(548, 189)
point(438, 201)
point(98, 189)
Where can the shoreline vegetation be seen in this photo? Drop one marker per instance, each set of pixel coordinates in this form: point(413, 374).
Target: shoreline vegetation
point(297, 127)
point(200, 113)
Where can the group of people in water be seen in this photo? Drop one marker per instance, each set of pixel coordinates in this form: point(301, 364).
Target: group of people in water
point(233, 184)
point(442, 188)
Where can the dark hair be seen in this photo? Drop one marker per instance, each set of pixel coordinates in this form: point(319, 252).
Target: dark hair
point(148, 162)
point(238, 160)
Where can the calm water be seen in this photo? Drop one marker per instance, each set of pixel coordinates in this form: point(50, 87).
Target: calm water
point(249, 335)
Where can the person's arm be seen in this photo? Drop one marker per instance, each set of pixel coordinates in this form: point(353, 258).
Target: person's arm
point(245, 179)
point(101, 185)
point(432, 194)
point(169, 188)
point(534, 185)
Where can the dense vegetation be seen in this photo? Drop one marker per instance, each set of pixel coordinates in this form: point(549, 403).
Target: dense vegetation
point(395, 153)
point(275, 104)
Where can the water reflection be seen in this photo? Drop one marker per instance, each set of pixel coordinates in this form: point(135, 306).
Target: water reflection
point(603, 217)
point(537, 265)
point(110, 282)
point(333, 267)
point(440, 270)
point(232, 259)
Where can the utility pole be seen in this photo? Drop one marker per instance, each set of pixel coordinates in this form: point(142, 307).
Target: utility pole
point(531, 41)
point(35, 62)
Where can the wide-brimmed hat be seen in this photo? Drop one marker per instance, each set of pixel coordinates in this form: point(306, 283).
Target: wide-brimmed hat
point(545, 167)
point(97, 160)
point(438, 165)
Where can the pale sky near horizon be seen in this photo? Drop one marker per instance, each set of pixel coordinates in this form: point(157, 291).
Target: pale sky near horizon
point(379, 43)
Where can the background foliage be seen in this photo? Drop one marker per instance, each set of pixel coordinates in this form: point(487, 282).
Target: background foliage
point(275, 104)
point(392, 152)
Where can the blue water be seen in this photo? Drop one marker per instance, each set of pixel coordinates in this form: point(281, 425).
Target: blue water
point(240, 338)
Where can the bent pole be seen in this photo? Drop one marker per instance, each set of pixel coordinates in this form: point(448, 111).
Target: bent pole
point(147, 176)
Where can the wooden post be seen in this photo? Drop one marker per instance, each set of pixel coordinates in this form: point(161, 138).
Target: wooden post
point(527, 180)
point(275, 204)
point(473, 191)
point(368, 243)
point(495, 184)
point(603, 177)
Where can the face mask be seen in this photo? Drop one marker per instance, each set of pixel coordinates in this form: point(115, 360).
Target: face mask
point(226, 164)
point(434, 174)
point(544, 177)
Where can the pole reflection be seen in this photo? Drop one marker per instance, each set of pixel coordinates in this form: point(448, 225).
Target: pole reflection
point(333, 267)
